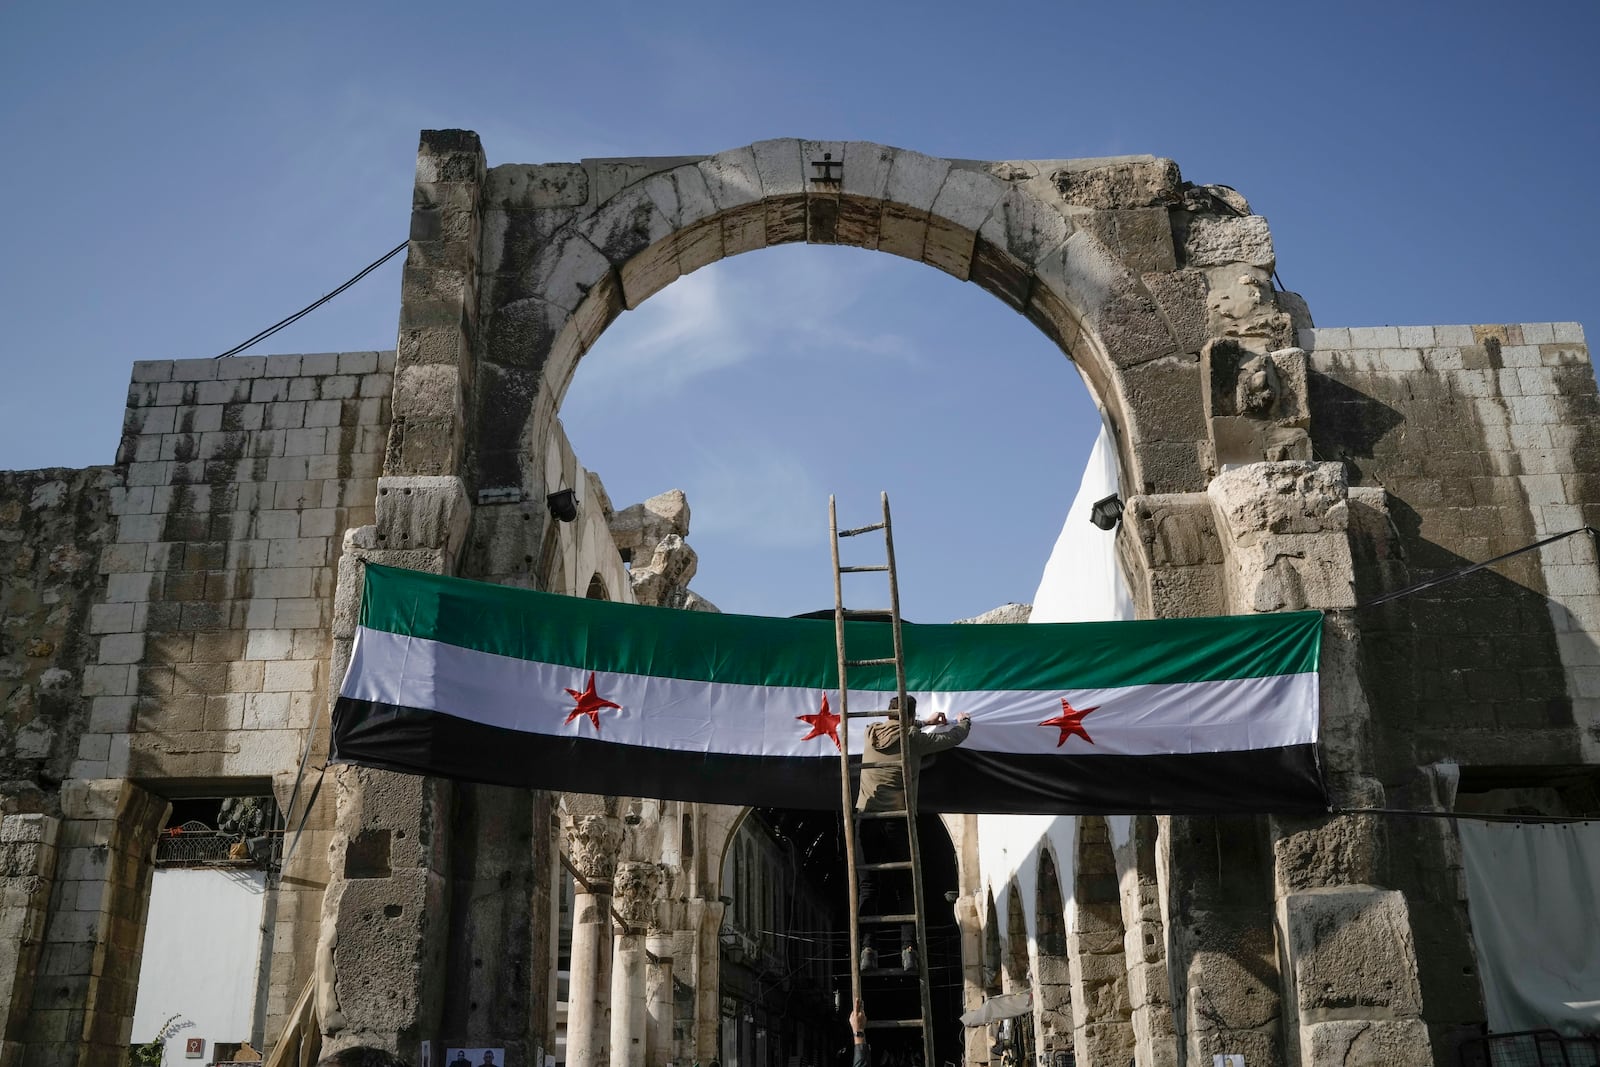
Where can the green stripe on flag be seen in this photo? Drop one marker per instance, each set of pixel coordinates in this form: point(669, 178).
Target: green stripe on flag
point(751, 650)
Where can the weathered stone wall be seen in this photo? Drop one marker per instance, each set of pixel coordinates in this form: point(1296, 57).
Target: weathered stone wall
point(192, 583)
point(1478, 440)
point(1486, 439)
point(53, 524)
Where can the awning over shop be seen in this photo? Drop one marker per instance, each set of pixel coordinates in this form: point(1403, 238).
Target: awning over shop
point(1008, 1006)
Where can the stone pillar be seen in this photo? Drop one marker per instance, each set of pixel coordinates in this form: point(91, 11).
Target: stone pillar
point(386, 912)
point(94, 938)
point(635, 891)
point(1145, 948)
point(27, 875)
point(1102, 1028)
point(706, 921)
point(974, 1039)
point(1350, 966)
point(1222, 947)
point(658, 999)
point(381, 959)
point(434, 364)
point(494, 995)
point(592, 841)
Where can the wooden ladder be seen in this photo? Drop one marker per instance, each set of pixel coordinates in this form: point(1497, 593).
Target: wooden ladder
point(890, 979)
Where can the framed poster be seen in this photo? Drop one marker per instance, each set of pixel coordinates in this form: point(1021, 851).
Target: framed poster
point(194, 1048)
point(476, 1057)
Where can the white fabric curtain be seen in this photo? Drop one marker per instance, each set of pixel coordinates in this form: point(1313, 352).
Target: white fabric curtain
point(1533, 893)
point(1082, 582)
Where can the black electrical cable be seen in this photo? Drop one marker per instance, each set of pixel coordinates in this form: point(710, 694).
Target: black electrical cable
point(1462, 572)
point(309, 308)
point(1478, 816)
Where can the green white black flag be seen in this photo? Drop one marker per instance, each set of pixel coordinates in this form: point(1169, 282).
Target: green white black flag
point(485, 683)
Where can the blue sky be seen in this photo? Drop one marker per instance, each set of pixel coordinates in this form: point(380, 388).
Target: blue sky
point(181, 175)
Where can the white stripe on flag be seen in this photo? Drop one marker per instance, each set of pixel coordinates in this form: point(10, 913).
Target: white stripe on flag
point(710, 717)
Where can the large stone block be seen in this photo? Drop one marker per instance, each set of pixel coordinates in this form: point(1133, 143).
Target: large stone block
point(1366, 1043)
point(732, 179)
point(1350, 948)
point(422, 513)
point(1213, 241)
point(1118, 182)
point(1140, 237)
point(963, 204)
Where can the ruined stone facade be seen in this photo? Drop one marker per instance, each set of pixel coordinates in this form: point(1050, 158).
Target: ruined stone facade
point(175, 622)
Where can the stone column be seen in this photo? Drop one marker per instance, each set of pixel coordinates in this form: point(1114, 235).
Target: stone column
point(705, 917)
point(658, 997)
point(974, 1039)
point(1145, 948)
point(1350, 977)
point(94, 938)
point(382, 965)
point(27, 875)
point(592, 841)
point(1102, 1027)
point(381, 959)
point(1223, 949)
point(635, 891)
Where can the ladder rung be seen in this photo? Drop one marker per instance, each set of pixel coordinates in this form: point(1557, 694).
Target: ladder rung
point(861, 530)
point(864, 568)
point(858, 613)
point(894, 1024)
point(865, 714)
point(888, 972)
point(892, 865)
point(905, 918)
point(880, 814)
point(868, 662)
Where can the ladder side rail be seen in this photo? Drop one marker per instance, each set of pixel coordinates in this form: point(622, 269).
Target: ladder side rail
point(847, 800)
point(907, 760)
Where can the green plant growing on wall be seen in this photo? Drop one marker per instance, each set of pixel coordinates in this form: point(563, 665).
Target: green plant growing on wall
point(151, 1052)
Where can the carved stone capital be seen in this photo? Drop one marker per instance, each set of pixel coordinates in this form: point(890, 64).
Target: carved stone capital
point(634, 892)
point(593, 841)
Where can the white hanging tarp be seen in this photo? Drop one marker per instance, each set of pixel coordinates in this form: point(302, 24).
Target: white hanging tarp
point(1082, 581)
point(1533, 893)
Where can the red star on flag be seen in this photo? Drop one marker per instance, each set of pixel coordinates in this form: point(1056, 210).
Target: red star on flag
point(823, 722)
point(1070, 722)
point(589, 703)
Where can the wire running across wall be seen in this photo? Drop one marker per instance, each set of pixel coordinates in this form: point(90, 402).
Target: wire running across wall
point(309, 308)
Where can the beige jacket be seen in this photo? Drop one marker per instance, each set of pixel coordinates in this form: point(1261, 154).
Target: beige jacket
point(882, 788)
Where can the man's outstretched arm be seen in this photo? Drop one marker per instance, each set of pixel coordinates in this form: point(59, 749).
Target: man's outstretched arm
point(858, 1026)
point(932, 742)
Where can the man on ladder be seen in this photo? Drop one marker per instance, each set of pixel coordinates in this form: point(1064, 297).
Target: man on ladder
point(882, 788)
point(888, 795)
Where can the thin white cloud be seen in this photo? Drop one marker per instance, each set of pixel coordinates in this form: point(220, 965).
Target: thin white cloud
point(758, 307)
point(764, 497)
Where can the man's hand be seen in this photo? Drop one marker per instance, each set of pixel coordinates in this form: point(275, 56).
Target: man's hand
point(937, 720)
point(858, 1022)
point(963, 717)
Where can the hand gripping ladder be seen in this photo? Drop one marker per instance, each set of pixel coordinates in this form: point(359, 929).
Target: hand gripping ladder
point(890, 980)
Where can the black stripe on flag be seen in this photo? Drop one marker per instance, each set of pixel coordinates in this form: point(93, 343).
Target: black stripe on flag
point(1283, 780)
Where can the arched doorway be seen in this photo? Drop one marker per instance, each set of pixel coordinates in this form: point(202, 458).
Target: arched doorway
point(784, 970)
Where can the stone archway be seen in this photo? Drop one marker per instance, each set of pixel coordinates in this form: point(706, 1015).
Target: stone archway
point(568, 247)
point(513, 274)
point(515, 271)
